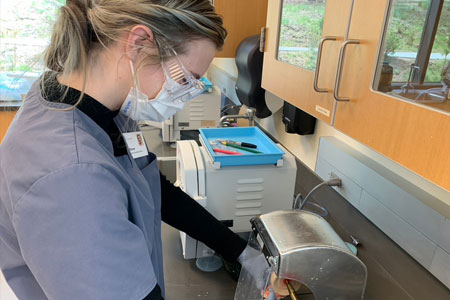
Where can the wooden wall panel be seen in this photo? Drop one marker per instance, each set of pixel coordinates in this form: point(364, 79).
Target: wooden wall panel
point(5, 119)
point(242, 18)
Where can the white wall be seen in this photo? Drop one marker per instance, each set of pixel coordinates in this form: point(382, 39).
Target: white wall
point(411, 216)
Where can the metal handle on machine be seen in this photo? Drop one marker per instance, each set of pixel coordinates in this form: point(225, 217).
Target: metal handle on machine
point(291, 291)
point(319, 59)
point(340, 67)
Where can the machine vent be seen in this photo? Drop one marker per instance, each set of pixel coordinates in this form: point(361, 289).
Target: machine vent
point(250, 196)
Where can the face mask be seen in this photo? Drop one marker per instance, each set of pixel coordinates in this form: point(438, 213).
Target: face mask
point(180, 87)
point(138, 107)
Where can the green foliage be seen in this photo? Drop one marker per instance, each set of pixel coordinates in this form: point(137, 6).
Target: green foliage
point(47, 12)
point(301, 26)
point(24, 68)
point(406, 26)
point(25, 21)
point(434, 71)
point(442, 39)
point(404, 34)
point(424, 4)
point(393, 43)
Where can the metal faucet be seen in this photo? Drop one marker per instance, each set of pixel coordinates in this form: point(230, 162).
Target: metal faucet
point(249, 114)
point(409, 86)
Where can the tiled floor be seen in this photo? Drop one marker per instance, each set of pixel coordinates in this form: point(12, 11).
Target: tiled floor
point(184, 281)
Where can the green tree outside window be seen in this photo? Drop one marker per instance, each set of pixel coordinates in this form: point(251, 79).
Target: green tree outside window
point(25, 29)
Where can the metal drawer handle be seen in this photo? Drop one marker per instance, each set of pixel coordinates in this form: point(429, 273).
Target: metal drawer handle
point(340, 67)
point(319, 59)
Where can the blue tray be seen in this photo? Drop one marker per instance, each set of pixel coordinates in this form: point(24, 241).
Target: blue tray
point(271, 154)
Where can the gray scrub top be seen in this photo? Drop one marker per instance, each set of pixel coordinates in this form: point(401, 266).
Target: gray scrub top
point(76, 222)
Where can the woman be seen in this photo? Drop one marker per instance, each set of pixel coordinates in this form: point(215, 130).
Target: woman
point(80, 215)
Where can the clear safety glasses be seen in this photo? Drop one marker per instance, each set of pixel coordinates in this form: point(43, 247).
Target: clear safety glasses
point(181, 85)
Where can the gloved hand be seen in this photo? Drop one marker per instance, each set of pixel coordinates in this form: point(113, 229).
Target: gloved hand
point(254, 262)
point(271, 295)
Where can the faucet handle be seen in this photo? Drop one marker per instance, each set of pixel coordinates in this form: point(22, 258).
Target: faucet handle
point(251, 112)
point(412, 73)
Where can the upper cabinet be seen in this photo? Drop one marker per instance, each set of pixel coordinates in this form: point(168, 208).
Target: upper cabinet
point(394, 83)
point(376, 70)
point(242, 18)
point(303, 38)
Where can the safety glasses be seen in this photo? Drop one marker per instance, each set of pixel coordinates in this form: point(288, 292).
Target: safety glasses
point(181, 85)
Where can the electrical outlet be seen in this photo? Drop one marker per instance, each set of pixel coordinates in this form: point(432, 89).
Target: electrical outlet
point(333, 176)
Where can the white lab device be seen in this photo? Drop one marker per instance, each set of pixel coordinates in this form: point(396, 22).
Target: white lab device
point(201, 112)
point(232, 194)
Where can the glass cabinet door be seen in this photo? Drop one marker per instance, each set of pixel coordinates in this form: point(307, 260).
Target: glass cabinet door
point(414, 59)
point(300, 32)
point(409, 134)
point(294, 70)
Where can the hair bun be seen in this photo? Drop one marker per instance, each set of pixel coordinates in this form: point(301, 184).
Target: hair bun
point(82, 5)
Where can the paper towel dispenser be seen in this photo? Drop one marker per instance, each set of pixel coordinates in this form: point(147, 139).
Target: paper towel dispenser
point(249, 62)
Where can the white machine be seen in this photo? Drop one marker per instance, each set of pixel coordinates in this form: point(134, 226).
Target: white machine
point(201, 112)
point(234, 194)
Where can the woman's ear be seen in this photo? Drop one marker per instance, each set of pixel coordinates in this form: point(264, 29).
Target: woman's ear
point(140, 38)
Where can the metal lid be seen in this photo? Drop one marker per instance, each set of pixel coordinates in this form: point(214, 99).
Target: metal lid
point(293, 230)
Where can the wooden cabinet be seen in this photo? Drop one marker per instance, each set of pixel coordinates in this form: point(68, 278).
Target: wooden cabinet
point(242, 18)
point(411, 134)
point(5, 119)
point(294, 81)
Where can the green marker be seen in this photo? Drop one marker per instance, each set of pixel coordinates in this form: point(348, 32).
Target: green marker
point(241, 148)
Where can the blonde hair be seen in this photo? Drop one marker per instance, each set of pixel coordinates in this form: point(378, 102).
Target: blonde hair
point(84, 27)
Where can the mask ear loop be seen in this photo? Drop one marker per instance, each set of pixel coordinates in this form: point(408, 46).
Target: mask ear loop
point(129, 124)
point(133, 74)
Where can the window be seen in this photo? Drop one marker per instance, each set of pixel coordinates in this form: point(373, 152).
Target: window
point(300, 32)
point(25, 29)
point(440, 53)
point(417, 40)
point(414, 61)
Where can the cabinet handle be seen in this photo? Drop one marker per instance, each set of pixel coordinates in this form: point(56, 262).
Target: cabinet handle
point(319, 59)
point(340, 67)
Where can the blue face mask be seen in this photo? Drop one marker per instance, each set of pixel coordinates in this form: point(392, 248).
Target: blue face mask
point(180, 87)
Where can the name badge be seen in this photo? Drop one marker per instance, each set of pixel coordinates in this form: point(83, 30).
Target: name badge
point(136, 144)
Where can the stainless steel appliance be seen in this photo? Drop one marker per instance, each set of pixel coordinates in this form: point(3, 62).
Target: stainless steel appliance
point(301, 247)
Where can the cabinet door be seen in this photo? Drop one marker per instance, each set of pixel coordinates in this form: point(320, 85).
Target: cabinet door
point(241, 18)
point(5, 119)
point(294, 29)
point(408, 133)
